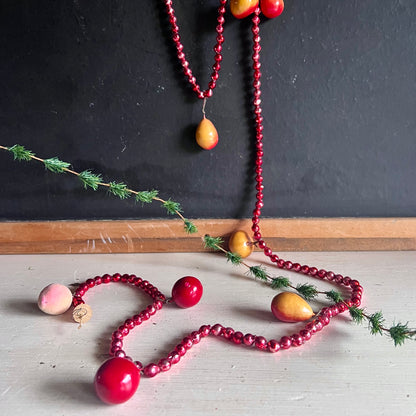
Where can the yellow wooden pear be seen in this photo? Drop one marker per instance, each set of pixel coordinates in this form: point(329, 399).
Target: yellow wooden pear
point(240, 243)
point(290, 307)
point(206, 134)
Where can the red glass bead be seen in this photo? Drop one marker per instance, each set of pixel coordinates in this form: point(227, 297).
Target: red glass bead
point(116, 380)
point(274, 258)
point(310, 327)
point(195, 337)
point(164, 364)
point(297, 340)
point(346, 281)
point(139, 365)
point(205, 330)
point(228, 333)
point(305, 334)
point(174, 357)
point(124, 278)
point(321, 273)
point(238, 337)
point(98, 280)
point(273, 345)
point(288, 265)
point(261, 343)
point(116, 277)
point(249, 339)
point(90, 283)
point(217, 329)
point(313, 271)
point(117, 335)
point(354, 284)
point(305, 269)
point(330, 275)
point(285, 342)
point(187, 343)
point(120, 354)
point(187, 291)
point(296, 267)
point(342, 307)
point(106, 278)
point(180, 349)
point(151, 370)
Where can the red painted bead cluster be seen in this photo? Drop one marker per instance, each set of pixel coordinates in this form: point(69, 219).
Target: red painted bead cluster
point(181, 54)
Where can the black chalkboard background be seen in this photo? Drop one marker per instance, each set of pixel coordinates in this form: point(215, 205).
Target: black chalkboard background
point(97, 84)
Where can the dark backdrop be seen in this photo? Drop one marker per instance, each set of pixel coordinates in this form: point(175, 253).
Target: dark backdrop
point(97, 84)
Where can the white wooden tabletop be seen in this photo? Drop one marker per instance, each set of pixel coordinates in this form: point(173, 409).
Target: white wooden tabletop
point(48, 364)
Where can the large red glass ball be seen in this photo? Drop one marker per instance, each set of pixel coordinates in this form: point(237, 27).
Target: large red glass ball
point(116, 380)
point(187, 292)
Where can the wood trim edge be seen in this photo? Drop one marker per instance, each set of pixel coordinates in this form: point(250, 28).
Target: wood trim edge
point(145, 236)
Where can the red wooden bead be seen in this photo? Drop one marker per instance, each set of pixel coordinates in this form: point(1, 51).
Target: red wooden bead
point(116, 380)
point(187, 291)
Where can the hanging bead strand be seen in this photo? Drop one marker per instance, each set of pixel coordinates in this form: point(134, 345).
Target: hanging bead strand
point(181, 54)
point(357, 289)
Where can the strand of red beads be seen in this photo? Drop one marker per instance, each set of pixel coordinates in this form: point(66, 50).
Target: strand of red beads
point(118, 378)
point(357, 289)
point(181, 54)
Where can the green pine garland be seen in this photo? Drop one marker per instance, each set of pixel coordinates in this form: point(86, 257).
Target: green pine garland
point(94, 181)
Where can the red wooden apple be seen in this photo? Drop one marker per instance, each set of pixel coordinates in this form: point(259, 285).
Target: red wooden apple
point(272, 8)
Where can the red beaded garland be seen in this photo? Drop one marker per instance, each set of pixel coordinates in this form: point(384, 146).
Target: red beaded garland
point(109, 379)
point(182, 57)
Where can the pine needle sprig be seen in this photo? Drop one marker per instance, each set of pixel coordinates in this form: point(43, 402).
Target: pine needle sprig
point(259, 272)
point(146, 196)
point(172, 207)
point(279, 283)
point(56, 165)
point(376, 323)
point(307, 291)
point(94, 181)
point(20, 153)
point(399, 333)
point(190, 227)
point(213, 243)
point(357, 314)
point(89, 179)
point(334, 296)
point(233, 258)
point(119, 189)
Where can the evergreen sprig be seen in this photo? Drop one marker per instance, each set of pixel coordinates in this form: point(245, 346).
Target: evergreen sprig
point(280, 283)
point(172, 207)
point(357, 314)
point(376, 323)
point(90, 179)
point(94, 181)
point(334, 296)
point(259, 272)
point(56, 165)
point(213, 243)
point(119, 189)
point(190, 227)
point(20, 153)
point(399, 333)
point(146, 196)
point(307, 291)
point(233, 258)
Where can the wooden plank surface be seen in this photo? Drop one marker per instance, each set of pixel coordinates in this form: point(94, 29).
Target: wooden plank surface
point(48, 364)
point(131, 236)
